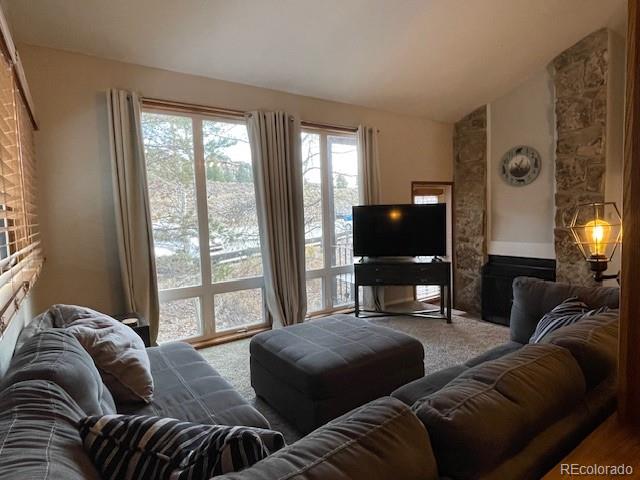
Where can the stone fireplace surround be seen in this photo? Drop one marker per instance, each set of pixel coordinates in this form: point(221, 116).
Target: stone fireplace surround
point(580, 77)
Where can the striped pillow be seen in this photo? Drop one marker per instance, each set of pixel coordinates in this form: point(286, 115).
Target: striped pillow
point(142, 447)
point(568, 312)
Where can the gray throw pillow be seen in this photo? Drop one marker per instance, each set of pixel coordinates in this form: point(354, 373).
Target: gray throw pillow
point(118, 352)
point(593, 342)
point(128, 447)
point(567, 313)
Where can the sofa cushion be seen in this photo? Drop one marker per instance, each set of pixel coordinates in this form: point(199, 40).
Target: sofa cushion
point(518, 396)
point(39, 436)
point(57, 356)
point(321, 358)
point(108, 403)
point(44, 321)
point(420, 388)
point(189, 389)
point(494, 353)
point(532, 298)
point(381, 440)
point(593, 342)
point(130, 447)
point(118, 352)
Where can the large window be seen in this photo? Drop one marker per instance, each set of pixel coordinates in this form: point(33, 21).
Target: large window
point(330, 181)
point(205, 227)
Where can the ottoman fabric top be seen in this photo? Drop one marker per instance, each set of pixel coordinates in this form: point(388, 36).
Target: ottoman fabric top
point(322, 358)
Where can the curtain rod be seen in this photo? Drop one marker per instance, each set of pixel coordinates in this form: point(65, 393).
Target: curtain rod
point(190, 107)
point(227, 112)
point(326, 126)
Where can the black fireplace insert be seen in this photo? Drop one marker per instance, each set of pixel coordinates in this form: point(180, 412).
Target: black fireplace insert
point(497, 278)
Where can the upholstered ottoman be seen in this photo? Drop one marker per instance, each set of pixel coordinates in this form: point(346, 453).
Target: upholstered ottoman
point(314, 372)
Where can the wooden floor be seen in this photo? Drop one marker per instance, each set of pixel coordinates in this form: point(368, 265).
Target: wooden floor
point(610, 444)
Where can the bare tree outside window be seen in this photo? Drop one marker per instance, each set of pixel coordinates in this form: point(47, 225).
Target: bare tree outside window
point(168, 142)
point(205, 223)
point(194, 301)
point(330, 188)
point(312, 192)
point(234, 238)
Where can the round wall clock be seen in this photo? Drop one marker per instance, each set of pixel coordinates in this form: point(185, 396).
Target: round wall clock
point(520, 165)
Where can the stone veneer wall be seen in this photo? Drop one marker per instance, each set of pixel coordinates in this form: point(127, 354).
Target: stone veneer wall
point(470, 195)
point(580, 79)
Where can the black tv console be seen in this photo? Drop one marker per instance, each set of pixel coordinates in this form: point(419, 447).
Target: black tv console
point(377, 273)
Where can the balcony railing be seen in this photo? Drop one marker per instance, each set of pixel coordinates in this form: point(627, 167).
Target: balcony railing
point(344, 282)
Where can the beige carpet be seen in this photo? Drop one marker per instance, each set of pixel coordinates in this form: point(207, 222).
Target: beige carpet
point(444, 345)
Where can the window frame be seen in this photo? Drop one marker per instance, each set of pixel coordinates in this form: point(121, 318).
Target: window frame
point(328, 271)
point(206, 291)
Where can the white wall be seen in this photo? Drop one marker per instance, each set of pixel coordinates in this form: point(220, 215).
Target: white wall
point(76, 200)
point(521, 218)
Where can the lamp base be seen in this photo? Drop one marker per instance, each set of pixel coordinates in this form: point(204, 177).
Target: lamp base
point(598, 267)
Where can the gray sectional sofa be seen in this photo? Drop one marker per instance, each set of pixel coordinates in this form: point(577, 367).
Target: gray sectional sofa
point(512, 412)
point(39, 408)
point(516, 410)
point(52, 383)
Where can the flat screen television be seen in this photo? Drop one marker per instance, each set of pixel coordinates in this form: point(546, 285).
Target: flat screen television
point(400, 230)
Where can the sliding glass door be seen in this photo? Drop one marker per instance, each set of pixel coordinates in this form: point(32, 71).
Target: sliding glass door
point(430, 193)
point(330, 185)
point(205, 228)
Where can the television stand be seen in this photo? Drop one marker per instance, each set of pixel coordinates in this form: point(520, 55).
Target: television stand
point(380, 272)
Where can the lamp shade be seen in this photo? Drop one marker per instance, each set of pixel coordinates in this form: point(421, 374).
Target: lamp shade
point(597, 230)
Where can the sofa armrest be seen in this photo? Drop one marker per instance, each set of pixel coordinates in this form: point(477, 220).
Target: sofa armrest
point(378, 441)
point(39, 435)
point(532, 298)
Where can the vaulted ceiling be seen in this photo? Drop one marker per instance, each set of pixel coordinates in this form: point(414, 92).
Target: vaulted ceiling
point(433, 58)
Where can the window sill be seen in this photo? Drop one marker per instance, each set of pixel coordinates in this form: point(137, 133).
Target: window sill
point(227, 337)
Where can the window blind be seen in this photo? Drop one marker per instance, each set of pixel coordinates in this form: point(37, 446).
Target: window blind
point(21, 256)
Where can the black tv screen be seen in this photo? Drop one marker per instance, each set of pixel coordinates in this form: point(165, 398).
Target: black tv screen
point(400, 230)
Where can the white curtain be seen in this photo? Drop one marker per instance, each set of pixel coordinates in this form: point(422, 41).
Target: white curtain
point(369, 178)
point(368, 164)
point(277, 170)
point(133, 220)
